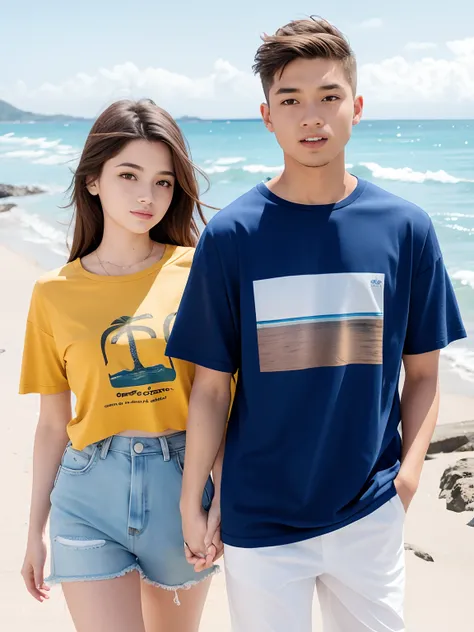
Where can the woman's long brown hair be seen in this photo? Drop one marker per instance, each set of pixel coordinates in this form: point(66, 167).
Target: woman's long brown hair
point(119, 124)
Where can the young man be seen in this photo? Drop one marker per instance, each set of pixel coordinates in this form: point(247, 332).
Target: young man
point(316, 287)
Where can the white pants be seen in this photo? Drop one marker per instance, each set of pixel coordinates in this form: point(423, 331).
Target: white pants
point(359, 573)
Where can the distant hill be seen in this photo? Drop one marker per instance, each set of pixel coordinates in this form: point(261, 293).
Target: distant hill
point(9, 113)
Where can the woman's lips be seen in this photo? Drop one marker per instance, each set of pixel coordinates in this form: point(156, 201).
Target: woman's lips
point(142, 214)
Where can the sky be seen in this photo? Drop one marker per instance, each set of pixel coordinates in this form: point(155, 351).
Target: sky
point(195, 58)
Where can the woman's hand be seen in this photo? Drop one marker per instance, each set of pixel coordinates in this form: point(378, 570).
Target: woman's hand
point(212, 540)
point(33, 568)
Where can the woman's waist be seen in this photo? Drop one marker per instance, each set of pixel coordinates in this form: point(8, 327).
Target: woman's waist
point(143, 445)
point(92, 428)
point(136, 434)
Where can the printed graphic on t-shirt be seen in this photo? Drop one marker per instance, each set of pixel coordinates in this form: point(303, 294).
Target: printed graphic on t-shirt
point(324, 320)
point(139, 375)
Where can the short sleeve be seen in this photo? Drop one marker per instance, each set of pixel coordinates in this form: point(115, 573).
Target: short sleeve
point(206, 329)
point(43, 370)
point(434, 319)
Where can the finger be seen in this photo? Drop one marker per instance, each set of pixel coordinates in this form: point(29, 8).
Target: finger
point(29, 579)
point(210, 556)
point(210, 559)
point(194, 550)
point(191, 557)
point(43, 590)
point(39, 584)
point(213, 525)
point(217, 540)
point(218, 544)
point(219, 554)
point(39, 578)
point(200, 565)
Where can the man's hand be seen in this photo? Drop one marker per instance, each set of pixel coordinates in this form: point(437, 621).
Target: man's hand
point(406, 489)
point(213, 535)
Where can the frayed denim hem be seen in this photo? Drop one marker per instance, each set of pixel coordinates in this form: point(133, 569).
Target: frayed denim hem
point(54, 579)
point(214, 571)
point(134, 567)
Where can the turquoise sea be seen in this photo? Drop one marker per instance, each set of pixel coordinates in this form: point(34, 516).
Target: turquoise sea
point(428, 162)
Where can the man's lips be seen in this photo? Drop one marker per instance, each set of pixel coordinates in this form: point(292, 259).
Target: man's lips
point(314, 141)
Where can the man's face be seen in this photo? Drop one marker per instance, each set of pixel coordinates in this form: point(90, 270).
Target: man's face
point(311, 110)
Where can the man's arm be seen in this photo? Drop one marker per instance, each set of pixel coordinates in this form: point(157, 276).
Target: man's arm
point(419, 409)
point(207, 418)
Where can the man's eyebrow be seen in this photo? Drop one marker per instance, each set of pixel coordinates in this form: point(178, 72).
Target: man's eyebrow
point(331, 86)
point(326, 88)
point(287, 90)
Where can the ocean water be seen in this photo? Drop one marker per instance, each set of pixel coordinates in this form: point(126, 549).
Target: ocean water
point(428, 162)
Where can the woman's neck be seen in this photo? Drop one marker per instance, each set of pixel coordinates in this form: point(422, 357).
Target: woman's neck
point(122, 252)
point(124, 248)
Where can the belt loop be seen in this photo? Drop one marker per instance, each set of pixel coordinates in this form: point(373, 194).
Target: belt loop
point(105, 447)
point(165, 448)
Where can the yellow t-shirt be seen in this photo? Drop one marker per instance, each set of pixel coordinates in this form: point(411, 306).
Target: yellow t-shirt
point(104, 338)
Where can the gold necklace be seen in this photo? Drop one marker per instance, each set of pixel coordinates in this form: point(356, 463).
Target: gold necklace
point(123, 267)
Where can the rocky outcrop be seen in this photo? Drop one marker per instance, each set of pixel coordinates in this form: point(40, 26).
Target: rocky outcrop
point(9, 190)
point(423, 555)
point(457, 486)
point(457, 437)
point(4, 208)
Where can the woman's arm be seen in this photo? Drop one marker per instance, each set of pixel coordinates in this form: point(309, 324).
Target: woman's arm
point(50, 441)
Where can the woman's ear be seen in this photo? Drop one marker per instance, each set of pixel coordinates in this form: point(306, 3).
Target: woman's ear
point(92, 187)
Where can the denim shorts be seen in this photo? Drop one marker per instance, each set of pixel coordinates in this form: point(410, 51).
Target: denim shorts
point(115, 509)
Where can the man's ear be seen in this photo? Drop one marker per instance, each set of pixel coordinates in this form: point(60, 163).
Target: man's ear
point(265, 112)
point(358, 110)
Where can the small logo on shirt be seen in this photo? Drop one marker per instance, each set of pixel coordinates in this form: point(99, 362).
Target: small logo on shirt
point(376, 283)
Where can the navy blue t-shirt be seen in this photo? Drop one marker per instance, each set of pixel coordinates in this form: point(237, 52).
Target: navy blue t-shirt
point(315, 307)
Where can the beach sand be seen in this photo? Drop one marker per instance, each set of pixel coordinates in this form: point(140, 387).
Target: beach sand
point(439, 594)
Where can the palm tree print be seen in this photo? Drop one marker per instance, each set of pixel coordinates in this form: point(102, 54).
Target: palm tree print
point(139, 375)
point(122, 326)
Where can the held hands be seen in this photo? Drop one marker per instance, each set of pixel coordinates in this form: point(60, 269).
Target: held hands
point(202, 537)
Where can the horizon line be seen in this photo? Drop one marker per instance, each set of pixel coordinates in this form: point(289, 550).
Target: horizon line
point(86, 119)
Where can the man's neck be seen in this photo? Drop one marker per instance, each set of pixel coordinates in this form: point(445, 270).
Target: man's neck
point(328, 184)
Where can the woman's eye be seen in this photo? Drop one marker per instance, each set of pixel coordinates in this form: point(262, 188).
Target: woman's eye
point(164, 183)
point(127, 176)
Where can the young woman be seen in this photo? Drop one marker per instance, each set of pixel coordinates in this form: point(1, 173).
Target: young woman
point(111, 473)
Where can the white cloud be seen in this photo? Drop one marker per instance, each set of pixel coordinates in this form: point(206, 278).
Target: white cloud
point(420, 46)
point(225, 92)
point(396, 86)
point(427, 80)
point(372, 23)
point(462, 48)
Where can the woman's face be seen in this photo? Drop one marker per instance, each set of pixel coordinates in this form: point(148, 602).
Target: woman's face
point(136, 186)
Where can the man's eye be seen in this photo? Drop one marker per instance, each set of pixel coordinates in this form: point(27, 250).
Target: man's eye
point(331, 97)
point(289, 102)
